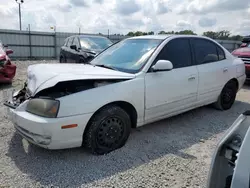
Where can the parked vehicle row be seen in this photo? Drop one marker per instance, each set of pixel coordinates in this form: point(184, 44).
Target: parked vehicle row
point(7, 69)
point(132, 83)
point(244, 53)
point(82, 48)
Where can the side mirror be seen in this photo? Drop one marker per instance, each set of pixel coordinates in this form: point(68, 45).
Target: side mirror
point(73, 47)
point(162, 65)
point(8, 51)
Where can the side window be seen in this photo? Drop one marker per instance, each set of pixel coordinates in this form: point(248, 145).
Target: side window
point(69, 41)
point(178, 52)
point(66, 41)
point(76, 42)
point(221, 53)
point(205, 51)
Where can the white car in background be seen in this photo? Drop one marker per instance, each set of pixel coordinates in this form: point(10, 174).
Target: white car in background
point(132, 83)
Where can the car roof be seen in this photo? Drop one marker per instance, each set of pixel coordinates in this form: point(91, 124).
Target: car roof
point(163, 37)
point(94, 36)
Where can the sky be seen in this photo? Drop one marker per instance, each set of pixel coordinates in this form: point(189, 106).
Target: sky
point(122, 16)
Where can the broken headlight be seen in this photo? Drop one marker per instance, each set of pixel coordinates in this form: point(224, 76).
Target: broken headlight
point(43, 107)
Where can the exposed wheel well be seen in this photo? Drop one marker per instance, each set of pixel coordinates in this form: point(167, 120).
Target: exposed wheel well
point(129, 108)
point(235, 81)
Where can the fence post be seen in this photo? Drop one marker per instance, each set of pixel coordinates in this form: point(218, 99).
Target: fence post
point(55, 46)
point(30, 43)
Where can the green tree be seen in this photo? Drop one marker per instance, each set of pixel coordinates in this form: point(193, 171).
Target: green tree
point(138, 33)
point(211, 34)
point(236, 37)
point(162, 32)
point(131, 34)
point(223, 35)
point(185, 32)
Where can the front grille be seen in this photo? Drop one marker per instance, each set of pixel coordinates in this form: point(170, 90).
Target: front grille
point(246, 59)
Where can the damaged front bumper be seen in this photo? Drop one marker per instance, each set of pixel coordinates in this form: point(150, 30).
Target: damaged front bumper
point(45, 132)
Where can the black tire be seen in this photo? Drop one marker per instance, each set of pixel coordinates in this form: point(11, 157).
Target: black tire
point(108, 130)
point(82, 60)
point(227, 96)
point(62, 59)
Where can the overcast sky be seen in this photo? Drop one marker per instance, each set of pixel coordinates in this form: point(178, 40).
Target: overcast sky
point(121, 16)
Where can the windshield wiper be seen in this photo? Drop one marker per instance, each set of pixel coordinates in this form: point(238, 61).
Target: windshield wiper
point(105, 66)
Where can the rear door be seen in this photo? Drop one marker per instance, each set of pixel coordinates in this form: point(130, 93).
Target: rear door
point(213, 67)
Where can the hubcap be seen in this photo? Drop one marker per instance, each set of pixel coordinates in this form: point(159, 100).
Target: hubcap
point(227, 96)
point(110, 132)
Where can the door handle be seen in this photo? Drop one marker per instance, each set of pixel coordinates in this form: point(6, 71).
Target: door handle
point(191, 78)
point(225, 70)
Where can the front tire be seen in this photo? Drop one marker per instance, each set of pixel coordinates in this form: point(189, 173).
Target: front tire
point(82, 60)
point(227, 96)
point(62, 60)
point(108, 130)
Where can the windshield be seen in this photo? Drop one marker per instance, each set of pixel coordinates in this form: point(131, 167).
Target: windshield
point(128, 55)
point(95, 43)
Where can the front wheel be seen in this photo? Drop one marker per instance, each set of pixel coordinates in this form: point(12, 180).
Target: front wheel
point(227, 96)
point(62, 59)
point(108, 130)
point(82, 60)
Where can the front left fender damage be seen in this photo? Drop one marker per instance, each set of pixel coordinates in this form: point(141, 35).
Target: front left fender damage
point(64, 88)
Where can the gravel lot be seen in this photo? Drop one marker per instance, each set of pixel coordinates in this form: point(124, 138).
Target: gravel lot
point(175, 152)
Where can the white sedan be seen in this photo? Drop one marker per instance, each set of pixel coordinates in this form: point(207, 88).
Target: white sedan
point(132, 83)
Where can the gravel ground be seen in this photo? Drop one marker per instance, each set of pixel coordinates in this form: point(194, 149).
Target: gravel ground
point(175, 152)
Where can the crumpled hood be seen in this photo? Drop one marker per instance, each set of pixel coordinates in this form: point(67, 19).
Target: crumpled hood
point(242, 51)
point(42, 76)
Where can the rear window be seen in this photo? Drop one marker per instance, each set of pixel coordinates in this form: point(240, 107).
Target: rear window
point(205, 51)
point(221, 53)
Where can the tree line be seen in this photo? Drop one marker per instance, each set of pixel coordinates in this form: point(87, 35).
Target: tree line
point(222, 35)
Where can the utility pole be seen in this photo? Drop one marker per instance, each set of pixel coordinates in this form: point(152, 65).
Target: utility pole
point(19, 2)
point(79, 30)
point(108, 33)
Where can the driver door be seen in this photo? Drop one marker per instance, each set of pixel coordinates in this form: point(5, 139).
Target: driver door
point(174, 91)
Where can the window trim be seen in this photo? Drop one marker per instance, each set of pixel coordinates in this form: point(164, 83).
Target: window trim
point(210, 41)
point(191, 54)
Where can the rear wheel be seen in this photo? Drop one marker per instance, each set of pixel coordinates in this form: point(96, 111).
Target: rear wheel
point(108, 130)
point(227, 96)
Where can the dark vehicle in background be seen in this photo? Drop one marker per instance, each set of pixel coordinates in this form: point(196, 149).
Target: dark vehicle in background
point(7, 69)
point(244, 53)
point(82, 48)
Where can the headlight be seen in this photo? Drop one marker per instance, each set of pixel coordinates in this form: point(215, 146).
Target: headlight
point(43, 107)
